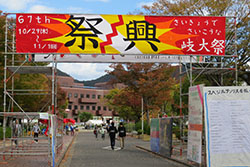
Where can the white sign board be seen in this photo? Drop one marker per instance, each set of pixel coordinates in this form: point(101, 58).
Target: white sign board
point(227, 122)
point(44, 115)
point(195, 108)
point(78, 58)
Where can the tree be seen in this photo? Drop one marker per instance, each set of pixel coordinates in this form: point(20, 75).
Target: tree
point(126, 103)
point(152, 82)
point(238, 8)
point(85, 116)
point(2, 48)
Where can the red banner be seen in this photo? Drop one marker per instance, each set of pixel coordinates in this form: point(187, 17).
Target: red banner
point(120, 34)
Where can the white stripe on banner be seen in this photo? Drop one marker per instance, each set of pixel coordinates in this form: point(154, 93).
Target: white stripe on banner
point(79, 58)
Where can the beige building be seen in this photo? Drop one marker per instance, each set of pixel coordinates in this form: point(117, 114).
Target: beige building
point(86, 99)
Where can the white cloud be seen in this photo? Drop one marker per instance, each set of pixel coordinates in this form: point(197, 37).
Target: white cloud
point(41, 9)
point(15, 5)
point(84, 71)
point(139, 5)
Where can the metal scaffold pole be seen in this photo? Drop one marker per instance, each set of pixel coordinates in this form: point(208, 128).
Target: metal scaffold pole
point(235, 51)
point(180, 70)
point(13, 64)
point(53, 86)
point(142, 120)
point(5, 76)
point(191, 71)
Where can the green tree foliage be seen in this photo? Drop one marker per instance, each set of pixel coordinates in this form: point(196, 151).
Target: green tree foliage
point(236, 8)
point(146, 127)
point(7, 134)
point(63, 104)
point(85, 116)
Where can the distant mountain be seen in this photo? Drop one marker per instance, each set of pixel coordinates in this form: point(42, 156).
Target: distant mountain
point(104, 78)
point(60, 73)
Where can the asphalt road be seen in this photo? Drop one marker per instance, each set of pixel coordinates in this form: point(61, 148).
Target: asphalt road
point(87, 151)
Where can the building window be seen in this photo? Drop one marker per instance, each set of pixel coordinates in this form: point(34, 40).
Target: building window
point(76, 95)
point(70, 107)
point(99, 108)
point(82, 107)
point(104, 108)
point(75, 107)
point(99, 96)
point(110, 109)
point(93, 107)
point(87, 96)
point(93, 96)
point(87, 107)
point(81, 95)
point(69, 95)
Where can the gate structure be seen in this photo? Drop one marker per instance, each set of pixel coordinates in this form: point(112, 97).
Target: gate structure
point(201, 45)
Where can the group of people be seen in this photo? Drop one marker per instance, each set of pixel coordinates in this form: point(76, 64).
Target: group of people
point(101, 131)
point(17, 130)
point(69, 128)
point(112, 131)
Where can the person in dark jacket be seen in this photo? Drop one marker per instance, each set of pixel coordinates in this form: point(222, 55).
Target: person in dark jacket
point(112, 131)
point(122, 134)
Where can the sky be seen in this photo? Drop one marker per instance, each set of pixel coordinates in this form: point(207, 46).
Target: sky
point(83, 71)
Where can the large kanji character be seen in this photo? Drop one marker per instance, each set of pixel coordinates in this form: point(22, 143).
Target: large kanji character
point(141, 31)
point(78, 31)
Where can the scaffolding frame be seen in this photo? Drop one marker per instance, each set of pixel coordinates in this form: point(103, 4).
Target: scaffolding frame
point(9, 50)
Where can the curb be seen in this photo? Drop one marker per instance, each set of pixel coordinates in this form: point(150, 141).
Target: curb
point(177, 161)
point(66, 150)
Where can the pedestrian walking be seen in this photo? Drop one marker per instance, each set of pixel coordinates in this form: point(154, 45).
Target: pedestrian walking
point(36, 130)
point(96, 132)
point(16, 132)
point(72, 130)
point(66, 129)
point(112, 132)
point(122, 134)
point(102, 132)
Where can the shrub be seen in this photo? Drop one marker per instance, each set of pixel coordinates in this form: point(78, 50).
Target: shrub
point(7, 134)
point(146, 127)
point(130, 126)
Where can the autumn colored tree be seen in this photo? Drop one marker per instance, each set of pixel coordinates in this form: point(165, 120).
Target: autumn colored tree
point(2, 48)
point(126, 103)
point(152, 82)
